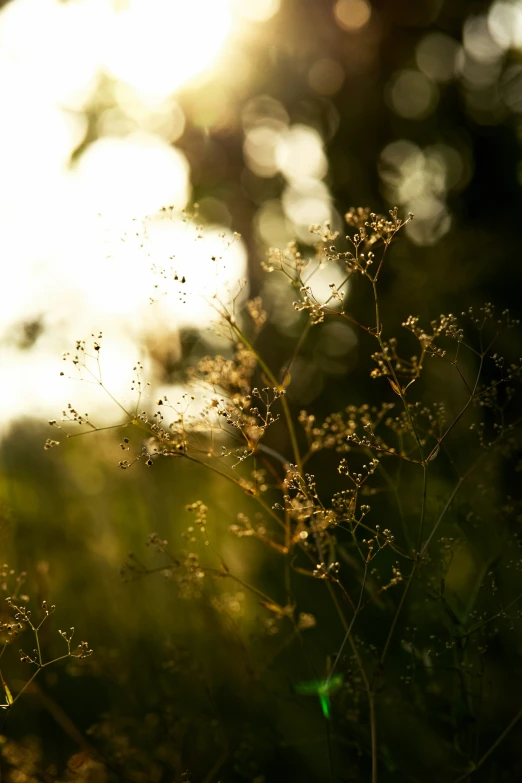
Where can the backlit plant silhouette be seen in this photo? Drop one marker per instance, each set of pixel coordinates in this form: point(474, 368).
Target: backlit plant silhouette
point(406, 540)
point(16, 620)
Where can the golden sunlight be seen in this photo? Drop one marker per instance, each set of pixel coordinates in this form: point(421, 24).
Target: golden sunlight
point(158, 45)
point(61, 279)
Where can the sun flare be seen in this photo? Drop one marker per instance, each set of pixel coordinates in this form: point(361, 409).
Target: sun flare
point(156, 46)
point(60, 274)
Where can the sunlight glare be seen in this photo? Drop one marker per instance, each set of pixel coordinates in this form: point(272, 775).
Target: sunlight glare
point(158, 45)
point(132, 176)
point(257, 10)
point(505, 24)
point(62, 64)
point(66, 270)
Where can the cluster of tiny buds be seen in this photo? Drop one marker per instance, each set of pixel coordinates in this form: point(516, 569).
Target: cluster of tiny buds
point(487, 313)
point(324, 232)
point(447, 542)
point(82, 651)
point(337, 292)
point(160, 544)
point(67, 636)
point(124, 464)
point(377, 541)
point(386, 533)
point(21, 613)
point(358, 478)
point(323, 571)
point(314, 308)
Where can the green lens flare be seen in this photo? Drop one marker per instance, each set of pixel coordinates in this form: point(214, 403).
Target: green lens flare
point(322, 689)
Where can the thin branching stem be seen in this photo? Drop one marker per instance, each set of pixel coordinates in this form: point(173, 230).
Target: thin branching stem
point(477, 765)
point(366, 682)
point(284, 402)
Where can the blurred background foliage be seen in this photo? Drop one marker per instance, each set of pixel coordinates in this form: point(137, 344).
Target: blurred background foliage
point(308, 107)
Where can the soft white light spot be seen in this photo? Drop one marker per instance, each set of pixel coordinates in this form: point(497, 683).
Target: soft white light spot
point(53, 47)
point(478, 41)
point(257, 10)
point(326, 76)
point(352, 15)
point(417, 180)
point(411, 94)
point(320, 278)
point(505, 24)
point(271, 225)
point(511, 87)
point(300, 155)
point(435, 55)
point(132, 176)
point(163, 117)
point(263, 109)
point(260, 148)
point(30, 162)
point(307, 203)
point(477, 74)
point(432, 221)
point(157, 45)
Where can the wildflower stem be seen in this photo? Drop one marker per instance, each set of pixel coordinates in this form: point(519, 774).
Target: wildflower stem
point(373, 732)
point(210, 776)
point(251, 588)
point(367, 687)
point(273, 380)
point(27, 684)
point(393, 489)
point(396, 615)
point(237, 483)
point(491, 748)
point(412, 573)
point(113, 398)
point(423, 507)
point(349, 629)
point(378, 327)
point(286, 370)
point(450, 500)
point(462, 412)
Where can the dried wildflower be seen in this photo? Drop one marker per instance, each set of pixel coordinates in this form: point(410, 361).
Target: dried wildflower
point(256, 313)
point(396, 480)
